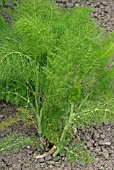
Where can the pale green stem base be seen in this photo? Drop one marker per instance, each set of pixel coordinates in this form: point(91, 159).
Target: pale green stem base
point(66, 128)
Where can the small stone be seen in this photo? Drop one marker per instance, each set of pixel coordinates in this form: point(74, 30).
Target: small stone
point(26, 165)
point(104, 3)
point(101, 6)
point(50, 162)
point(62, 166)
point(91, 148)
point(62, 5)
point(69, 5)
point(105, 154)
point(102, 136)
point(104, 143)
point(90, 168)
point(37, 166)
point(28, 147)
point(41, 160)
point(97, 150)
point(11, 168)
point(88, 3)
point(101, 168)
point(42, 165)
point(83, 130)
point(3, 164)
point(99, 153)
point(92, 141)
point(51, 166)
point(87, 138)
point(47, 158)
point(2, 135)
point(96, 136)
point(74, 1)
point(9, 130)
point(16, 166)
point(63, 1)
point(96, 159)
point(58, 1)
point(112, 147)
point(30, 152)
point(1, 116)
point(16, 151)
point(89, 144)
point(57, 164)
point(20, 161)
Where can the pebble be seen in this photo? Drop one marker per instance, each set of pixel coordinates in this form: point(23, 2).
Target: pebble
point(16, 166)
point(96, 136)
point(1, 116)
point(96, 159)
point(105, 154)
point(63, 1)
point(104, 143)
point(47, 158)
point(37, 166)
point(41, 160)
point(90, 168)
point(73, 1)
point(97, 150)
point(69, 5)
point(50, 162)
point(89, 144)
point(62, 5)
point(50, 166)
point(42, 165)
point(91, 149)
point(11, 168)
point(2, 135)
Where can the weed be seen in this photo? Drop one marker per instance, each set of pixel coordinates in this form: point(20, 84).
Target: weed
point(15, 141)
point(9, 121)
point(77, 153)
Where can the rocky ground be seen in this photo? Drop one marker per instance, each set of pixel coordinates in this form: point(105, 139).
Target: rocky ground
point(99, 142)
point(100, 139)
point(104, 10)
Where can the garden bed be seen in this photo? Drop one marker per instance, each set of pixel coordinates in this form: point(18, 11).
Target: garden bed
point(98, 140)
point(99, 143)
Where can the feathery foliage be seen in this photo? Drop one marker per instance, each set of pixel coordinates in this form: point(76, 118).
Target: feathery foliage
point(52, 58)
point(14, 141)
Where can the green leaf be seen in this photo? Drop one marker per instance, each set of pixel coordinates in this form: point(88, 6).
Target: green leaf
point(75, 94)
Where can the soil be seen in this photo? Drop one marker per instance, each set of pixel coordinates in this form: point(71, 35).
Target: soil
point(100, 139)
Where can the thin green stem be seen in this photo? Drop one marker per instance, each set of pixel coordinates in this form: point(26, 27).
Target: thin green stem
point(37, 112)
point(66, 128)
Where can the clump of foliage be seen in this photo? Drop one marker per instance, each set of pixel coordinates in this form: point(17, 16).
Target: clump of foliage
point(53, 61)
point(78, 153)
point(14, 141)
point(9, 121)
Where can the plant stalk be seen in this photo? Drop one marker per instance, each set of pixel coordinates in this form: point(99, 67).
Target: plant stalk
point(66, 128)
point(37, 111)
